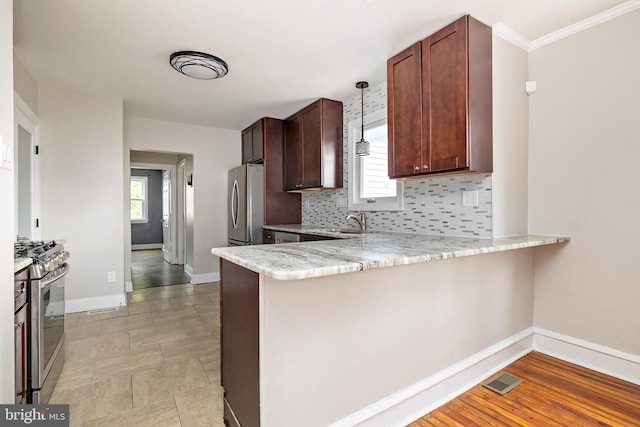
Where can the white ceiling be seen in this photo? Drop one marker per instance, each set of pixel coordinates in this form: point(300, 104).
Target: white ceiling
point(282, 54)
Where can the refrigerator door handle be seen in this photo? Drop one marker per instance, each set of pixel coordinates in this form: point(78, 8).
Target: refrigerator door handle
point(235, 201)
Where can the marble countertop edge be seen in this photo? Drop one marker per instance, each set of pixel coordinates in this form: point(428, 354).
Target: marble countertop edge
point(294, 261)
point(20, 263)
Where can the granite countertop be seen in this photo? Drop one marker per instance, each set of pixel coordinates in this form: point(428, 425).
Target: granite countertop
point(20, 263)
point(356, 252)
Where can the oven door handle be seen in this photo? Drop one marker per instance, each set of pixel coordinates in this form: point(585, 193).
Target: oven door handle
point(47, 282)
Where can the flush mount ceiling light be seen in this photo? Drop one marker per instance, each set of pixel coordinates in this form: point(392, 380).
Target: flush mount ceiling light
point(362, 146)
point(198, 65)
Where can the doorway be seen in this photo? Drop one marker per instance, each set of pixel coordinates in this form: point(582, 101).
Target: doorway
point(156, 195)
point(149, 269)
point(26, 172)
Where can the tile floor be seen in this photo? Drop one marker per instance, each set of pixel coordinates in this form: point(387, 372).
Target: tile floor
point(155, 362)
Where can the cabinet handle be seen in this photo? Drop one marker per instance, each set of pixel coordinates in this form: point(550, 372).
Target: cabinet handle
point(416, 168)
point(425, 167)
point(18, 325)
point(269, 236)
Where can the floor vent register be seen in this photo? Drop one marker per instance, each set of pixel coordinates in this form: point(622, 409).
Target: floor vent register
point(502, 383)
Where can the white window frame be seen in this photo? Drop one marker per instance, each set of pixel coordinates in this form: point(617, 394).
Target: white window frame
point(145, 200)
point(355, 201)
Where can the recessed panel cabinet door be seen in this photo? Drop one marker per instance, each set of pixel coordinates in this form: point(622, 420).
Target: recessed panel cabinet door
point(444, 82)
point(257, 143)
point(247, 142)
point(292, 154)
point(312, 146)
point(253, 143)
point(404, 97)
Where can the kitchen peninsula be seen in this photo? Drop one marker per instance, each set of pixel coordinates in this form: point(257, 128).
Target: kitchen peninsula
point(368, 329)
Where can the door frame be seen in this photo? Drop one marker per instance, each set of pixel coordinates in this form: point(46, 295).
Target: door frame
point(182, 211)
point(28, 120)
point(173, 229)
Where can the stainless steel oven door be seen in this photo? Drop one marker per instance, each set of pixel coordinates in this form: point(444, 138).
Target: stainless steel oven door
point(47, 326)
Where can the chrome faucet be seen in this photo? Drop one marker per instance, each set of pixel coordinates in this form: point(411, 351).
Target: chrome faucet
point(362, 221)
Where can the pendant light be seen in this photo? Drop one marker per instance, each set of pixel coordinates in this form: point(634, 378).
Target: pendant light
point(362, 146)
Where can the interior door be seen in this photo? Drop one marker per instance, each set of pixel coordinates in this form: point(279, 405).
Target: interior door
point(24, 183)
point(26, 172)
point(166, 215)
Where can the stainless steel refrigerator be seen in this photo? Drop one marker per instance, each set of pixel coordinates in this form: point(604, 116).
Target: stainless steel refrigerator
point(246, 205)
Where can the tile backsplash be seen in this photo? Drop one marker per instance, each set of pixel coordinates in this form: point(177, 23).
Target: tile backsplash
point(431, 206)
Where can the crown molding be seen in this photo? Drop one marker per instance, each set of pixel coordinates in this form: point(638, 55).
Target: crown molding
point(512, 36)
point(517, 39)
point(598, 19)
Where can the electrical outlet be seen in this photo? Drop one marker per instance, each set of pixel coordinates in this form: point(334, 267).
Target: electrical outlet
point(307, 204)
point(111, 276)
point(470, 198)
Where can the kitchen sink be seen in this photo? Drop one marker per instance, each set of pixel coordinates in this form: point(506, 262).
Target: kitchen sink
point(344, 230)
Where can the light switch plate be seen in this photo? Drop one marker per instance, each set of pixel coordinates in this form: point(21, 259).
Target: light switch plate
point(111, 276)
point(470, 198)
point(341, 202)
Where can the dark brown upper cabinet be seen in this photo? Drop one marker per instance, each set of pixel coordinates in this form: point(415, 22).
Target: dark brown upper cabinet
point(280, 207)
point(439, 103)
point(253, 143)
point(313, 147)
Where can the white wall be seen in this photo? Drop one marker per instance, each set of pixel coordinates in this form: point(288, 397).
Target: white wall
point(6, 212)
point(82, 181)
point(214, 151)
point(583, 181)
point(510, 139)
point(25, 84)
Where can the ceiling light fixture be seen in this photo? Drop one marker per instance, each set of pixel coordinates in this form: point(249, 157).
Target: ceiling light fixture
point(362, 146)
point(198, 65)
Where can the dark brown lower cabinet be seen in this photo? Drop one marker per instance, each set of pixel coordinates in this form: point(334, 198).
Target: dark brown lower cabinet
point(21, 342)
point(240, 345)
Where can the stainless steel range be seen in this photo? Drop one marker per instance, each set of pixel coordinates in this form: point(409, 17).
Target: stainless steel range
point(46, 300)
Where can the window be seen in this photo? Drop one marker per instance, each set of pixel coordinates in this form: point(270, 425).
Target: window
point(370, 188)
point(138, 196)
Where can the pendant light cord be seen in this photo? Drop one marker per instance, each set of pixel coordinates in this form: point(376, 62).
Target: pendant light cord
point(362, 114)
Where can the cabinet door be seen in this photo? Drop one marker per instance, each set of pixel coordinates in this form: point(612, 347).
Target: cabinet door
point(21, 342)
point(240, 340)
point(404, 98)
point(444, 74)
point(252, 143)
point(292, 154)
point(247, 146)
point(311, 118)
point(257, 144)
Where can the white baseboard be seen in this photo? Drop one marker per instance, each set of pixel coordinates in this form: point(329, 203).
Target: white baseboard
point(409, 404)
point(201, 278)
point(128, 286)
point(413, 402)
point(599, 358)
point(95, 303)
point(205, 278)
point(144, 246)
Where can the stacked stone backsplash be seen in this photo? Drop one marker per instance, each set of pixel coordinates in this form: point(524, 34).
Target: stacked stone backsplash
point(431, 206)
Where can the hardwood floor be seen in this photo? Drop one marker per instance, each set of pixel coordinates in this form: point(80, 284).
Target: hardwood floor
point(149, 269)
point(553, 393)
